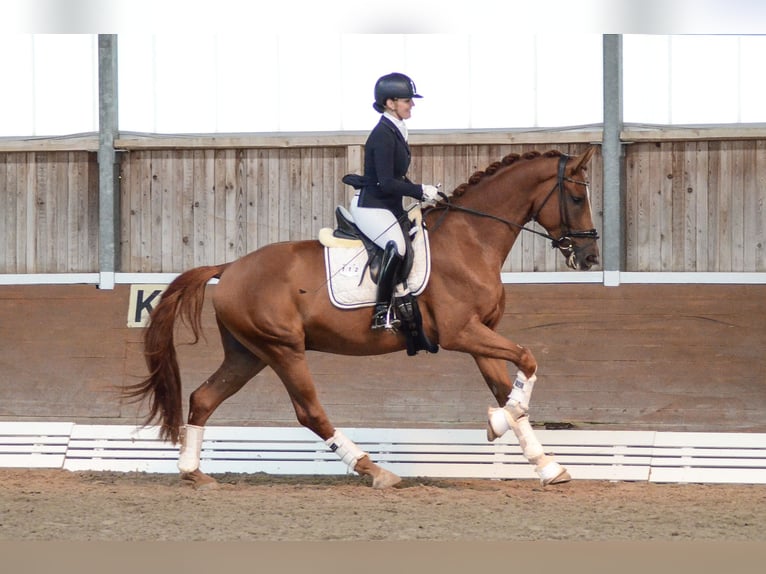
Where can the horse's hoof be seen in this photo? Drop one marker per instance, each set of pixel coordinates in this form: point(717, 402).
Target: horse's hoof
point(491, 434)
point(199, 480)
point(385, 479)
point(560, 478)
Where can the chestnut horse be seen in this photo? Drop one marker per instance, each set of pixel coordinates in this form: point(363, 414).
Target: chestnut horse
point(272, 306)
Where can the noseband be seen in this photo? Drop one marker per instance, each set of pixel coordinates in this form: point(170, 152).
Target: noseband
point(565, 243)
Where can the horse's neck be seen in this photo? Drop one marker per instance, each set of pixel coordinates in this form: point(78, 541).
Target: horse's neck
point(504, 198)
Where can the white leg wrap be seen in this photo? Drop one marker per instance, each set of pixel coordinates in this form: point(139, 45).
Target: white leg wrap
point(191, 448)
point(499, 420)
point(521, 392)
point(348, 452)
point(528, 442)
point(514, 416)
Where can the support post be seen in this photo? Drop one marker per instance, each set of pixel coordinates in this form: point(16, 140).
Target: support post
point(613, 244)
point(108, 168)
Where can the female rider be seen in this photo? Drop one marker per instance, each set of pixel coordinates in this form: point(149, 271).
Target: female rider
point(378, 208)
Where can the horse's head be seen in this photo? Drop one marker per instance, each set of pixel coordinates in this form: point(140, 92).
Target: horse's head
point(563, 208)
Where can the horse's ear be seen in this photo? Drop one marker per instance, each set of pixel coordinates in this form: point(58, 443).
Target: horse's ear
point(583, 159)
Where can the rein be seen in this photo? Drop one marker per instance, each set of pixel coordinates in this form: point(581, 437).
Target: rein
point(564, 242)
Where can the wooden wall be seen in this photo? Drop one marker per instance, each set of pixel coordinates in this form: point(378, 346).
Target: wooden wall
point(694, 205)
point(635, 357)
point(184, 208)
point(49, 217)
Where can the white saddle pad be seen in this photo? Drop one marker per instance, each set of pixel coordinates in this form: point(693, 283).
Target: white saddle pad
point(348, 276)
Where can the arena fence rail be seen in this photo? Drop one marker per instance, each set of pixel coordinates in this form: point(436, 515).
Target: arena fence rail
point(648, 456)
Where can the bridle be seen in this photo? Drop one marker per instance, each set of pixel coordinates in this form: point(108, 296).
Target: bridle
point(565, 243)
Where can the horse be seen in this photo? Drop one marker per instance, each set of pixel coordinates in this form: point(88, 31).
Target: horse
point(272, 305)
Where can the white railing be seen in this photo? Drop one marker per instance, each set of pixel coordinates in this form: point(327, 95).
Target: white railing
point(436, 453)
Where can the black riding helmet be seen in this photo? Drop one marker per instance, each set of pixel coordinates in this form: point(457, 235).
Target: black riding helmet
point(394, 85)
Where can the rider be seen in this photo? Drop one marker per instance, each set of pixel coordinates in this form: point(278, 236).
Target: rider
point(378, 209)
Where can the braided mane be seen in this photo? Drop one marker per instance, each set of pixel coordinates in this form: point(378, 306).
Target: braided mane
point(493, 168)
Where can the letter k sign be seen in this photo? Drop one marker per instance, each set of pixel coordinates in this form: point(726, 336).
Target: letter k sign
point(143, 299)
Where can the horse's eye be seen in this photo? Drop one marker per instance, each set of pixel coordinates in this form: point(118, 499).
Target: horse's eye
point(577, 200)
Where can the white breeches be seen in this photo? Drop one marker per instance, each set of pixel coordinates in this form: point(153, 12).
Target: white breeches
point(378, 224)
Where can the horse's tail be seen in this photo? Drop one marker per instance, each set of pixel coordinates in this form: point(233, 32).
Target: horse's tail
point(184, 297)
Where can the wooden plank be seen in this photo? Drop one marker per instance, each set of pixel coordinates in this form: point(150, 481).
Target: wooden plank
point(596, 179)
point(743, 209)
point(261, 183)
point(19, 167)
point(632, 224)
point(727, 206)
point(38, 429)
point(711, 439)
point(290, 194)
point(228, 194)
point(759, 209)
point(666, 206)
point(274, 217)
point(250, 190)
point(145, 230)
point(678, 133)
point(645, 243)
point(685, 167)
point(240, 188)
point(354, 164)
point(326, 175)
point(185, 190)
point(709, 475)
point(715, 230)
point(166, 181)
point(157, 222)
point(33, 444)
point(333, 189)
point(679, 203)
point(7, 219)
point(220, 206)
point(130, 228)
point(204, 206)
point(59, 236)
point(701, 188)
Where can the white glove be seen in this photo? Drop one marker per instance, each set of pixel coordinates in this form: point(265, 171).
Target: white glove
point(430, 193)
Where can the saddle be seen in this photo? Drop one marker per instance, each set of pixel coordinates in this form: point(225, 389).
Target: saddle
point(353, 261)
point(347, 229)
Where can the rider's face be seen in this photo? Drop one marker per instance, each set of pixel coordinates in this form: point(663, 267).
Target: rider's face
point(401, 107)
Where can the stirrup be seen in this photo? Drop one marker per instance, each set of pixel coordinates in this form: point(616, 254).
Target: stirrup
point(384, 318)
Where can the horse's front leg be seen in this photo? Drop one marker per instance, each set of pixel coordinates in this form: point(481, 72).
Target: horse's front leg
point(492, 351)
point(514, 414)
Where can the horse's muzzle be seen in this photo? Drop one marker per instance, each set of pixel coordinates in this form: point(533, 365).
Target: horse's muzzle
point(584, 258)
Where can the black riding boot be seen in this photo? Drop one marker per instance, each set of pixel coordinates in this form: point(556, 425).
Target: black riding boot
point(383, 316)
point(409, 311)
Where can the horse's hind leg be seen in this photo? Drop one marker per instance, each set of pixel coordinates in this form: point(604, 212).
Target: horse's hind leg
point(513, 414)
point(293, 371)
point(238, 367)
